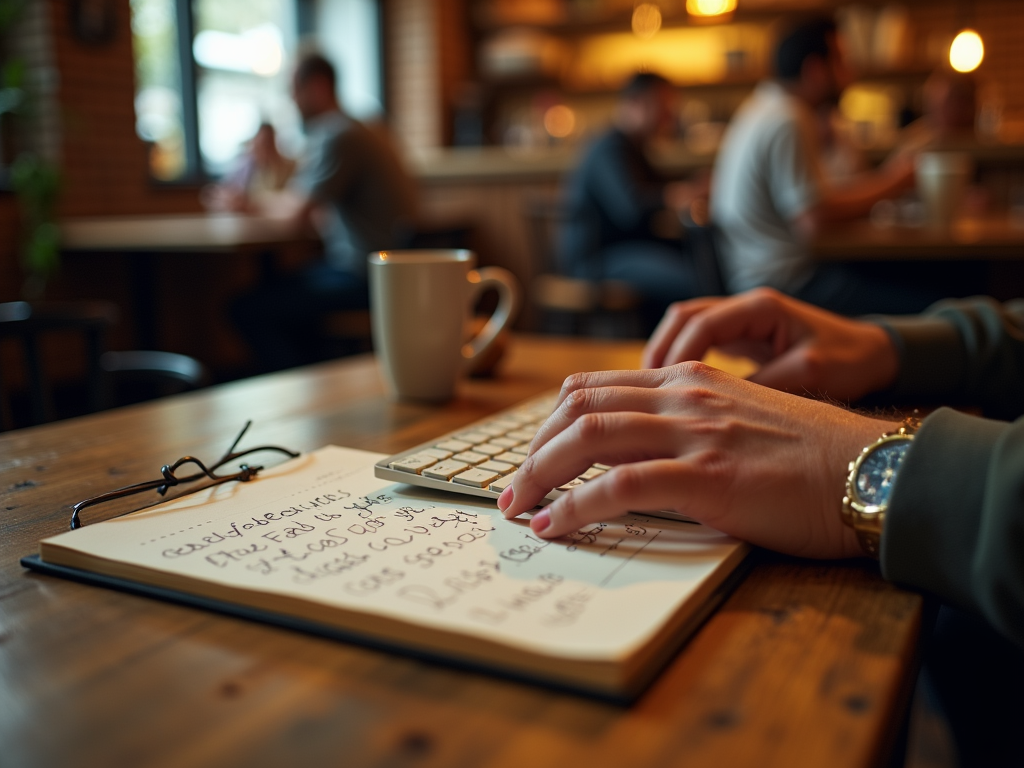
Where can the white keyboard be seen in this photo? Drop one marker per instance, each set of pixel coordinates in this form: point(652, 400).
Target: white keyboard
point(482, 458)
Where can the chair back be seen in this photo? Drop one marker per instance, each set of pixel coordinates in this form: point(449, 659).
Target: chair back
point(28, 323)
point(702, 236)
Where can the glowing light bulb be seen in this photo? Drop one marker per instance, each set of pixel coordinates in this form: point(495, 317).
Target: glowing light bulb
point(710, 7)
point(559, 121)
point(646, 20)
point(967, 51)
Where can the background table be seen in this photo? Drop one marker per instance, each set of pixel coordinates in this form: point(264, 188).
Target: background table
point(175, 233)
point(144, 239)
point(989, 238)
point(807, 663)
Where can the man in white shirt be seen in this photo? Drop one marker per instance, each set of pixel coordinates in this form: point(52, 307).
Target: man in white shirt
point(769, 197)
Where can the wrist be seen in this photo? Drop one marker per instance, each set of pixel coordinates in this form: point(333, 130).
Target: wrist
point(883, 359)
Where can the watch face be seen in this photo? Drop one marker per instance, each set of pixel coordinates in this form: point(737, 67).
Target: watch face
point(877, 472)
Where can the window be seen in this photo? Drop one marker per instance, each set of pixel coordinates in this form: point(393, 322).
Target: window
point(208, 72)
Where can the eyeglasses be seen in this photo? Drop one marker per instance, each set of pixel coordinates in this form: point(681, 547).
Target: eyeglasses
point(169, 480)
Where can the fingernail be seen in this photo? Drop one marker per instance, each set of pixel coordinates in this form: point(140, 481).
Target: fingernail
point(506, 498)
point(541, 521)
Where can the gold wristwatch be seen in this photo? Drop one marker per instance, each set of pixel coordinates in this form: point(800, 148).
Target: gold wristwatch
point(869, 484)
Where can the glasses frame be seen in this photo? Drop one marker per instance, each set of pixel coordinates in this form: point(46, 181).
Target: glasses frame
point(169, 479)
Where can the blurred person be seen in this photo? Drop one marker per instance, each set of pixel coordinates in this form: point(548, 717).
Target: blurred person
point(620, 220)
point(769, 196)
point(950, 106)
point(352, 186)
point(764, 462)
point(261, 170)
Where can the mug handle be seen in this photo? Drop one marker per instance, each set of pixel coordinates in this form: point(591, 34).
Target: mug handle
point(508, 305)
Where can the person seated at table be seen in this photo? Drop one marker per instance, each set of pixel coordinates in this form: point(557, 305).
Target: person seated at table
point(260, 170)
point(619, 209)
point(769, 198)
point(352, 185)
point(950, 105)
point(757, 460)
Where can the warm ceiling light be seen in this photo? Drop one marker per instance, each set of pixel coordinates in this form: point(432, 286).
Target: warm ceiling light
point(559, 121)
point(967, 51)
point(710, 7)
point(646, 20)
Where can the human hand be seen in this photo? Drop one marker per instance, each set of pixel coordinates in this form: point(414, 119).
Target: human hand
point(801, 348)
point(760, 465)
point(901, 171)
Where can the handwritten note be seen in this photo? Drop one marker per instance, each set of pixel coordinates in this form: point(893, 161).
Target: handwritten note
point(323, 529)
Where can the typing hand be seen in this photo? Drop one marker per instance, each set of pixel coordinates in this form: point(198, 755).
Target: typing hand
point(801, 348)
point(761, 465)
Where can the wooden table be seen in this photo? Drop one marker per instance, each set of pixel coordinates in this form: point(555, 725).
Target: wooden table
point(994, 238)
point(807, 663)
point(175, 233)
point(144, 238)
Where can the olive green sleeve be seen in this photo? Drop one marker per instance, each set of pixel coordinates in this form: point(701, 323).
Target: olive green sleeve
point(955, 523)
point(968, 352)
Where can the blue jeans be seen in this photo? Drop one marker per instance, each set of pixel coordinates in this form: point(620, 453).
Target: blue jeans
point(658, 272)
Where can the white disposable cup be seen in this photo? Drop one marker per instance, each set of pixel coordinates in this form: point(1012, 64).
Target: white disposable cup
point(420, 303)
point(942, 178)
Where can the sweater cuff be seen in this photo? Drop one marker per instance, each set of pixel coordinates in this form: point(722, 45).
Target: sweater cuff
point(932, 357)
point(933, 521)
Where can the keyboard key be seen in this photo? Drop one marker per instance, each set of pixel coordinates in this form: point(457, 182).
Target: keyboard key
point(521, 417)
point(477, 478)
point(489, 448)
point(470, 457)
point(445, 470)
point(502, 483)
point(591, 473)
point(455, 446)
point(511, 458)
point(525, 435)
point(473, 437)
point(496, 466)
point(505, 424)
point(414, 463)
point(437, 453)
point(505, 442)
point(605, 467)
point(523, 449)
point(570, 485)
point(495, 429)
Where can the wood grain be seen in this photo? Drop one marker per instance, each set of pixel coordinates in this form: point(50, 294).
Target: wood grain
point(806, 664)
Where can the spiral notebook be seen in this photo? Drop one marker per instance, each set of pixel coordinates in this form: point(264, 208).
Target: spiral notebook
point(320, 545)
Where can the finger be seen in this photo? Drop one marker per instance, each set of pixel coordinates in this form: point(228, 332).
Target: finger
point(607, 438)
point(676, 316)
point(648, 485)
point(580, 402)
point(596, 379)
point(754, 316)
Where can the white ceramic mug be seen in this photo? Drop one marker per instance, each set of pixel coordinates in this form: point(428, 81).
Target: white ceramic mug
point(942, 179)
point(420, 303)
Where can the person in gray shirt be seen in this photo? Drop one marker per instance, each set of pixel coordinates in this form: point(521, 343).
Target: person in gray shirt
point(769, 198)
point(351, 184)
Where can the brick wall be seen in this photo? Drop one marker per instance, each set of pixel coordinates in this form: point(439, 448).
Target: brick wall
point(1000, 24)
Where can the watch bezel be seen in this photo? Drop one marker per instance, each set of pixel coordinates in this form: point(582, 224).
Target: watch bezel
point(852, 495)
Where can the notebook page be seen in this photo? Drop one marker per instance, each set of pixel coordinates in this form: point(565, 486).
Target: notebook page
point(323, 528)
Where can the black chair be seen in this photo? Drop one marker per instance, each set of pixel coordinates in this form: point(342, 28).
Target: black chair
point(700, 236)
point(28, 323)
point(582, 306)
